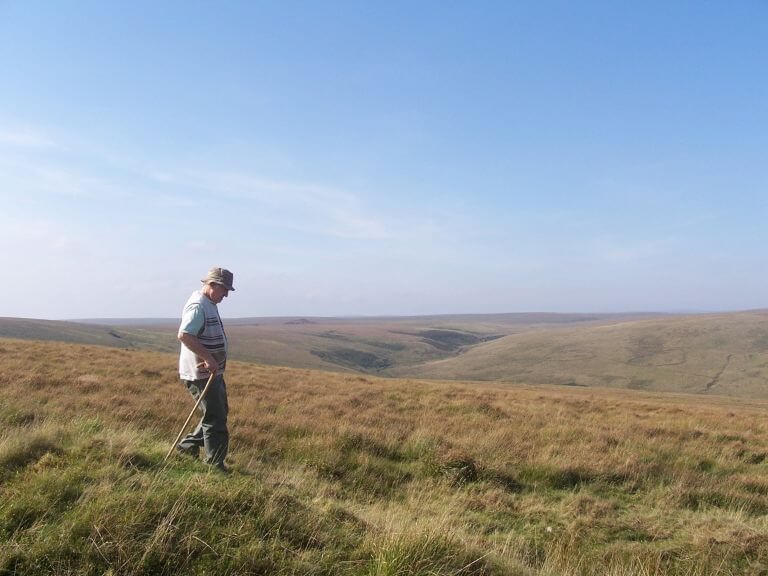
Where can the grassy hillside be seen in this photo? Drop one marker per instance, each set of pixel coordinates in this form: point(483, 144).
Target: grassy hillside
point(367, 345)
point(144, 336)
point(343, 474)
point(721, 354)
point(371, 348)
point(725, 354)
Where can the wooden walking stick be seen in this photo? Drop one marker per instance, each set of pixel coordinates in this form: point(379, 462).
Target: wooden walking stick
point(199, 399)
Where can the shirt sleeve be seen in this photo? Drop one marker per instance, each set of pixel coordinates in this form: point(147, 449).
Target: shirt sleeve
point(192, 320)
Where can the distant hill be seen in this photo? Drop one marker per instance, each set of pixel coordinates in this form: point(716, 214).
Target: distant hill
point(380, 345)
point(363, 344)
point(81, 333)
point(723, 354)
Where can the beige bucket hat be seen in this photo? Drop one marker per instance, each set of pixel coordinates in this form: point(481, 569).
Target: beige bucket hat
point(220, 276)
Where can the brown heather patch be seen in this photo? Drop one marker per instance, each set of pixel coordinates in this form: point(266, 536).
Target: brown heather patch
point(433, 476)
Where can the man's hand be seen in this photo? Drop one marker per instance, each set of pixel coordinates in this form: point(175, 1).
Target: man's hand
point(210, 365)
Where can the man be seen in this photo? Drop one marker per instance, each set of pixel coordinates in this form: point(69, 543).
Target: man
point(204, 352)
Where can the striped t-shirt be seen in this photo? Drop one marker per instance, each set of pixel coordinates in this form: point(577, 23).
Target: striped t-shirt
point(201, 319)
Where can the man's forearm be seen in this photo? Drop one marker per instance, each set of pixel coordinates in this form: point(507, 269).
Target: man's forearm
point(191, 341)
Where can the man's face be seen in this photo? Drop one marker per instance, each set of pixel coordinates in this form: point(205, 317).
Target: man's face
point(218, 293)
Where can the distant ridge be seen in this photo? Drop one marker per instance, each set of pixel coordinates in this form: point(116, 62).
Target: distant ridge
point(721, 354)
point(127, 321)
point(82, 332)
point(502, 317)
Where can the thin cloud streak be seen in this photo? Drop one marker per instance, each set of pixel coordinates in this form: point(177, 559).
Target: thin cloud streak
point(309, 208)
point(313, 208)
point(305, 207)
point(26, 138)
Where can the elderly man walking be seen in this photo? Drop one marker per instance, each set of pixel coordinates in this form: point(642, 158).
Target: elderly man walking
point(204, 352)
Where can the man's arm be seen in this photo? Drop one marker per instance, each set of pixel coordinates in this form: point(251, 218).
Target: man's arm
point(191, 341)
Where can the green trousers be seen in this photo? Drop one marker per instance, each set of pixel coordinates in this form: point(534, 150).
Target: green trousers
point(211, 433)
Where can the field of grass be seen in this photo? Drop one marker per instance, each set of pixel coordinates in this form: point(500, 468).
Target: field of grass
point(346, 474)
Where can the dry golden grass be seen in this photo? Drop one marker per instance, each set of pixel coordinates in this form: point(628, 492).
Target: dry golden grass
point(430, 477)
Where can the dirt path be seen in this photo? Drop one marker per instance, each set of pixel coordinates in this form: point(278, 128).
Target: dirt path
point(716, 379)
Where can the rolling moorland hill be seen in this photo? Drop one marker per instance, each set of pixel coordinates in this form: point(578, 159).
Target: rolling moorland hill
point(368, 345)
point(140, 335)
point(724, 354)
point(717, 354)
point(352, 475)
point(381, 345)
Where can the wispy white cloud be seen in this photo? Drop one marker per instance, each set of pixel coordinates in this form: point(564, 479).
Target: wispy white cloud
point(351, 224)
point(249, 187)
point(622, 251)
point(34, 162)
point(26, 137)
point(37, 163)
point(36, 235)
point(29, 175)
point(309, 207)
point(197, 246)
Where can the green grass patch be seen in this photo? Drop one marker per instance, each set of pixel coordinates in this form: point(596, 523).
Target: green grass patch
point(97, 501)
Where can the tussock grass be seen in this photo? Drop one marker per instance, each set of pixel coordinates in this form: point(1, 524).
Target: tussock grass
point(350, 475)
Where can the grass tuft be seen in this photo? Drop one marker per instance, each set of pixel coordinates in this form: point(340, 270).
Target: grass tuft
point(24, 449)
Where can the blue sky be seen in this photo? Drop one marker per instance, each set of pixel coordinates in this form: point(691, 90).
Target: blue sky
point(361, 158)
